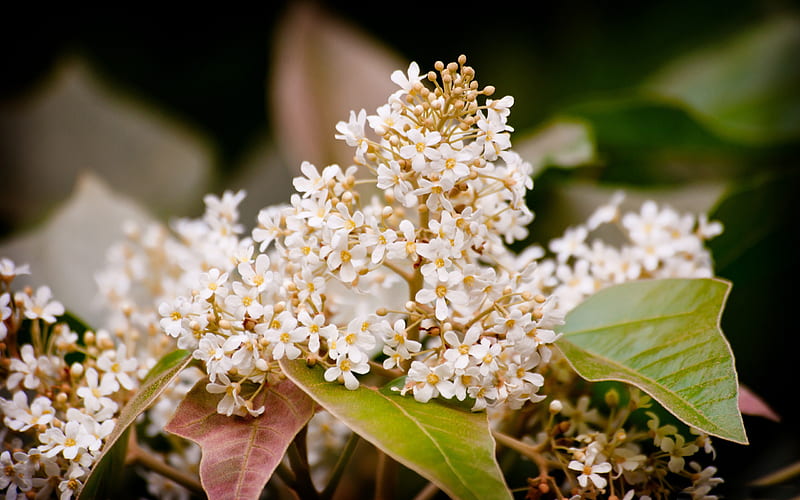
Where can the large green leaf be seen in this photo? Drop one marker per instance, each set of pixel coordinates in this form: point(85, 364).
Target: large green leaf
point(452, 448)
point(157, 379)
point(746, 86)
point(662, 336)
point(241, 453)
point(650, 140)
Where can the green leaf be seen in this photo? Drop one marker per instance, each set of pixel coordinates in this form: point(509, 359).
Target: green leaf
point(156, 381)
point(107, 473)
point(662, 336)
point(650, 140)
point(645, 122)
point(744, 88)
point(452, 448)
point(241, 453)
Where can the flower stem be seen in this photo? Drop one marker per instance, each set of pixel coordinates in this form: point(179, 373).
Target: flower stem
point(385, 477)
point(303, 484)
point(378, 369)
point(339, 468)
point(139, 456)
point(428, 492)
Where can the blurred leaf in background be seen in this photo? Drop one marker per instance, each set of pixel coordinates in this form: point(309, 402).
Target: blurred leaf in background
point(74, 123)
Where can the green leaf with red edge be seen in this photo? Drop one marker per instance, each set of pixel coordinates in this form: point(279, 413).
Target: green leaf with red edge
point(451, 447)
point(109, 463)
point(662, 336)
point(241, 453)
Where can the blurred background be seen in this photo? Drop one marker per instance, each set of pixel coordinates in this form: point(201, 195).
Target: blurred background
point(110, 113)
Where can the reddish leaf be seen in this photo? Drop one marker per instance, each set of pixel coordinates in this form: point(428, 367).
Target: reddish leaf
point(324, 68)
point(240, 454)
point(750, 404)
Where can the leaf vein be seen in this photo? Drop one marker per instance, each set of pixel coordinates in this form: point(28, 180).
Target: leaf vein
point(435, 443)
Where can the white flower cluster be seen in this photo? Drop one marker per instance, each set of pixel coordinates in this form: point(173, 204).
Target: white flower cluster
point(55, 415)
point(459, 317)
point(656, 242)
point(598, 456)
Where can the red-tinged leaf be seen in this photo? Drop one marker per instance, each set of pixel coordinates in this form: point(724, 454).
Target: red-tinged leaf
point(323, 69)
point(241, 453)
point(751, 404)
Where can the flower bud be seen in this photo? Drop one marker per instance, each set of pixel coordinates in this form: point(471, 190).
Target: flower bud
point(612, 398)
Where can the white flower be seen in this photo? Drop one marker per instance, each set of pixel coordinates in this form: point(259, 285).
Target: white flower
point(406, 81)
point(707, 230)
point(590, 472)
point(428, 382)
point(69, 442)
point(572, 243)
point(390, 176)
point(703, 481)
point(606, 213)
point(345, 368)
point(29, 369)
point(232, 402)
point(96, 427)
point(285, 336)
point(377, 241)
point(212, 283)
point(71, 484)
point(658, 432)
point(397, 346)
point(343, 222)
point(9, 270)
point(406, 247)
point(677, 449)
point(344, 259)
point(119, 365)
point(40, 305)
point(312, 327)
point(387, 117)
point(459, 352)
point(352, 132)
point(20, 417)
point(174, 317)
point(211, 352)
point(5, 313)
point(486, 353)
point(225, 209)
point(309, 288)
point(313, 182)
point(442, 294)
point(269, 227)
point(493, 136)
point(14, 475)
point(421, 149)
point(244, 301)
point(438, 253)
point(96, 389)
point(452, 164)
